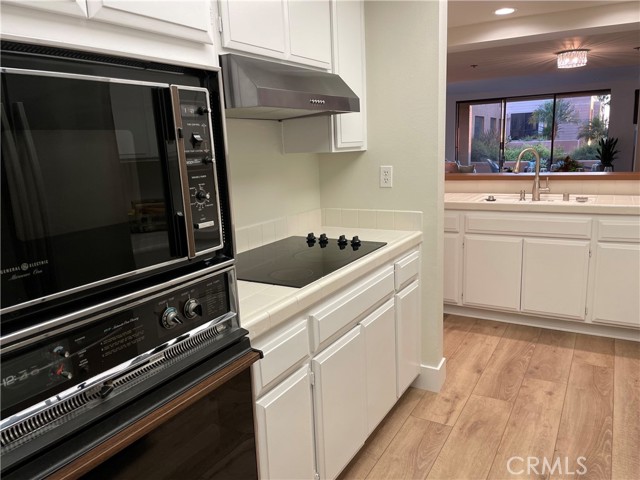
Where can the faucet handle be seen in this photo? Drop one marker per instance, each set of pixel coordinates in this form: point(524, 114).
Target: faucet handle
point(546, 187)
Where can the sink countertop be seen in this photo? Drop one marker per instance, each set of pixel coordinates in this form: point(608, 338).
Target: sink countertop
point(551, 203)
point(264, 306)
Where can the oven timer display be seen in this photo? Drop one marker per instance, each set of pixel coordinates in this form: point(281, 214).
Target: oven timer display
point(35, 372)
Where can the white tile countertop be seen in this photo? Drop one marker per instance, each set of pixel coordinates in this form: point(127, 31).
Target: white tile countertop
point(264, 306)
point(553, 203)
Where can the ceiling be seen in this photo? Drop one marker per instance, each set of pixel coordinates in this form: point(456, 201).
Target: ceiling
point(526, 41)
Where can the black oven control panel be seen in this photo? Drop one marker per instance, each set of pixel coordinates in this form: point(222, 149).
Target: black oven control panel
point(108, 340)
point(200, 187)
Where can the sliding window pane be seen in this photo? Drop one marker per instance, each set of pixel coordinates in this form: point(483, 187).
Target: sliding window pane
point(582, 120)
point(479, 133)
point(529, 124)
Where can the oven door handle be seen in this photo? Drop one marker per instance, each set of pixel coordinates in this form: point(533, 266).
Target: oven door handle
point(184, 175)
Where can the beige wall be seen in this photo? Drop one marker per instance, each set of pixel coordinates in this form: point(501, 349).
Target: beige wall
point(406, 84)
point(265, 184)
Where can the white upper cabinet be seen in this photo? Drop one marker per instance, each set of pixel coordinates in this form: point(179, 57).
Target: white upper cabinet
point(189, 20)
point(310, 31)
point(294, 30)
point(169, 31)
point(75, 8)
point(345, 132)
point(254, 27)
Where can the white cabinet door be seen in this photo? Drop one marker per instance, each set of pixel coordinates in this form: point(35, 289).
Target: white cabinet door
point(75, 8)
point(174, 18)
point(452, 255)
point(408, 315)
point(340, 402)
point(492, 271)
point(310, 32)
point(554, 277)
point(349, 63)
point(284, 419)
point(379, 334)
point(254, 26)
point(344, 132)
point(617, 284)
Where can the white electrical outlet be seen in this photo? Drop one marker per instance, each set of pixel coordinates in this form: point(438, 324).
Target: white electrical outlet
point(386, 176)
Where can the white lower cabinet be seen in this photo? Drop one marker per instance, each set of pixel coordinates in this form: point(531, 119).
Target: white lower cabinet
point(408, 314)
point(492, 271)
point(285, 429)
point(617, 284)
point(340, 402)
point(379, 330)
point(554, 277)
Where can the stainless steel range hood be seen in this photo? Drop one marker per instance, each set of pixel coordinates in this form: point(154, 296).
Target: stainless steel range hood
point(267, 90)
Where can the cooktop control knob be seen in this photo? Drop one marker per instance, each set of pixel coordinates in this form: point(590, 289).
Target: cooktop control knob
point(192, 309)
point(202, 196)
point(170, 318)
point(355, 241)
point(323, 238)
point(342, 240)
point(311, 237)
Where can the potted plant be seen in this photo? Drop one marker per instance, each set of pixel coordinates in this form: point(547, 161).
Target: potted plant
point(607, 153)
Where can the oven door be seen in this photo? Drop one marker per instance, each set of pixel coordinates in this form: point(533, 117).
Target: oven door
point(199, 425)
point(92, 188)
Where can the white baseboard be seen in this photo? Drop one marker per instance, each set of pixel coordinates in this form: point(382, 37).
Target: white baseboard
point(542, 322)
point(431, 378)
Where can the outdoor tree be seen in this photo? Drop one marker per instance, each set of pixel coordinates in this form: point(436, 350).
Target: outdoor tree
point(564, 113)
point(593, 130)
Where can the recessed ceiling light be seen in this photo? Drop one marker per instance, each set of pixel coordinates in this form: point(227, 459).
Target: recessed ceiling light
point(505, 11)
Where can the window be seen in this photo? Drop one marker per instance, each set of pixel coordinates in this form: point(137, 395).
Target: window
point(478, 126)
point(556, 126)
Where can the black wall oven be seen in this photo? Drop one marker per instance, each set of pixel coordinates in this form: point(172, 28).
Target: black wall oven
point(110, 173)
point(121, 350)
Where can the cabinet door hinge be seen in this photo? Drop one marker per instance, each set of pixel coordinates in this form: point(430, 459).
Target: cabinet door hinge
point(316, 476)
point(589, 253)
point(220, 24)
point(312, 377)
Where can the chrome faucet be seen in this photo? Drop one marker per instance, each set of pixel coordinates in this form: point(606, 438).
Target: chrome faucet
point(535, 191)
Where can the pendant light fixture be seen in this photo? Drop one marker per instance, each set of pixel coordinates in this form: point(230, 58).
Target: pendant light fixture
point(572, 58)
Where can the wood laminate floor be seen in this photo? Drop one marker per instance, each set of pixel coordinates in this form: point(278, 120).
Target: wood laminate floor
point(518, 402)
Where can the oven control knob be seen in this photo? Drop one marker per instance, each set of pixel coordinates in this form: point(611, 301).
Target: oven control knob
point(323, 238)
point(196, 139)
point(202, 196)
point(61, 352)
point(311, 237)
point(355, 241)
point(202, 110)
point(65, 374)
point(170, 318)
point(192, 309)
point(342, 240)
point(207, 159)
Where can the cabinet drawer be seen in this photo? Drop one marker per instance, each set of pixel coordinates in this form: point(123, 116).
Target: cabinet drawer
point(567, 226)
point(406, 269)
point(619, 230)
point(345, 310)
point(280, 354)
point(451, 222)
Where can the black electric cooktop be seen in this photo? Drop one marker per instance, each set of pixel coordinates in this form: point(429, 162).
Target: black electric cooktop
point(298, 261)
